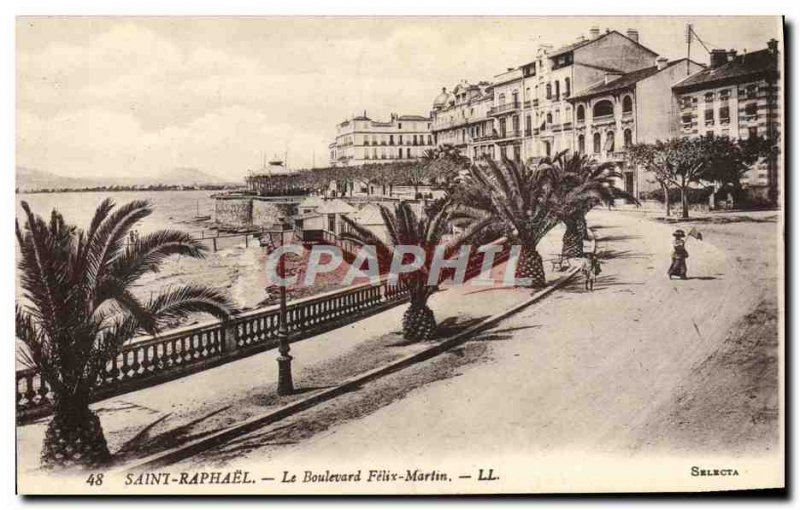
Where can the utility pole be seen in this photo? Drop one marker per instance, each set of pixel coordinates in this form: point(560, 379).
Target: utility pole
point(688, 46)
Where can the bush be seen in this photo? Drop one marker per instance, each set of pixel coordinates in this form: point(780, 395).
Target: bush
point(694, 195)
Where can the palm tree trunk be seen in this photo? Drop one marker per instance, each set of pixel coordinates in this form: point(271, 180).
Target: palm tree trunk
point(572, 242)
point(74, 438)
point(530, 266)
point(419, 322)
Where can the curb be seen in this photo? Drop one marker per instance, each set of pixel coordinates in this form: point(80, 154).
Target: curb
point(182, 452)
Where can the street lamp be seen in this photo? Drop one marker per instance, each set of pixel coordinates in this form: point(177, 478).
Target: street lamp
point(285, 383)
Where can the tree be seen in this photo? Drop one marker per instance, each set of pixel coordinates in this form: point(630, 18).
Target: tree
point(727, 160)
point(427, 232)
point(80, 310)
point(519, 201)
point(446, 163)
point(644, 155)
point(579, 184)
point(678, 162)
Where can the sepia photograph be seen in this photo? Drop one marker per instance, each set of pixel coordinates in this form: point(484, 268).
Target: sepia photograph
point(399, 255)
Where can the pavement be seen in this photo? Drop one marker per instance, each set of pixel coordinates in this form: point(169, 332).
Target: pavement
point(561, 403)
point(154, 419)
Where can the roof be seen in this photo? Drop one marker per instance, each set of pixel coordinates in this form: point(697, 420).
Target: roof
point(624, 81)
point(574, 46)
point(370, 214)
point(335, 206)
point(743, 67)
point(413, 117)
point(311, 201)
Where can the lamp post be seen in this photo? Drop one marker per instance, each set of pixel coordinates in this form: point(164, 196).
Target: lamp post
point(285, 383)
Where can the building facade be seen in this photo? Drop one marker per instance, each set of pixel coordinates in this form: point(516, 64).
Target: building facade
point(738, 96)
point(606, 92)
point(362, 140)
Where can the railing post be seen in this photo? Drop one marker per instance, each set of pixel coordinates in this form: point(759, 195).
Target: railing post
point(230, 338)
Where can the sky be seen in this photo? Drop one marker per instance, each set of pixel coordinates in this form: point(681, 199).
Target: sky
point(139, 96)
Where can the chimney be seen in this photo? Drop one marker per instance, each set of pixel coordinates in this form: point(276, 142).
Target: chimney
point(718, 58)
point(661, 63)
point(633, 34)
point(581, 38)
point(772, 44)
point(594, 33)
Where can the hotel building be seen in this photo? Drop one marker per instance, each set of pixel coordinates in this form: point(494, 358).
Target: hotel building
point(362, 140)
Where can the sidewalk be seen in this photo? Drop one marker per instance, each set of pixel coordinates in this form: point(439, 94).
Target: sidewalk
point(154, 419)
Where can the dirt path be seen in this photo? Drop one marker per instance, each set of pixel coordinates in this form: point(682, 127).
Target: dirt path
point(578, 378)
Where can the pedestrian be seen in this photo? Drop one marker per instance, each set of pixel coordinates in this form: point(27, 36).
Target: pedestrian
point(590, 269)
point(679, 256)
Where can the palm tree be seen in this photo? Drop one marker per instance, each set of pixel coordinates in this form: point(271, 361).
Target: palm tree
point(80, 310)
point(428, 231)
point(521, 203)
point(579, 184)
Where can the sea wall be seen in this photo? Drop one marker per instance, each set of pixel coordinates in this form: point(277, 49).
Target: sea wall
point(244, 211)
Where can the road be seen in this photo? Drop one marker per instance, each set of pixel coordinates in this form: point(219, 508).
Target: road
point(573, 383)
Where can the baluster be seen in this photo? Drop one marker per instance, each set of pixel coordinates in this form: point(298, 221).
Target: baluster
point(30, 392)
point(135, 365)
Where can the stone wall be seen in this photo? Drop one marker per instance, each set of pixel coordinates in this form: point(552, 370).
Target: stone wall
point(236, 212)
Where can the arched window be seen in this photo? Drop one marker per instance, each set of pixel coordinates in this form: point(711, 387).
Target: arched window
point(627, 104)
point(549, 91)
point(581, 112)
point(558, 90)
point(596, 143)
point(549, 118)
point(628, 136)
point(566, 87)
point(502, 99)
point(581, 144)
point(610, 142)
point(602, 108)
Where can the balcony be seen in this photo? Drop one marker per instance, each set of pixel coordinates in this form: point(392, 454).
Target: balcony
point(504, 108)
point(510, 134)
point(485, 138)
point(603, 119)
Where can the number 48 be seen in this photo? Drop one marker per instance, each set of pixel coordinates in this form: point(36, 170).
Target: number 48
point(95, 479)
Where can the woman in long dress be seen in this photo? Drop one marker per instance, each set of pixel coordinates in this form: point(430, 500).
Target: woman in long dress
point(679, 256)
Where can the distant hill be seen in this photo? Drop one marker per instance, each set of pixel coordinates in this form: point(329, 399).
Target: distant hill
point(30, 179)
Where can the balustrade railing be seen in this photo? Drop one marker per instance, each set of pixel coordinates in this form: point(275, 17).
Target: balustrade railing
point(147, 361)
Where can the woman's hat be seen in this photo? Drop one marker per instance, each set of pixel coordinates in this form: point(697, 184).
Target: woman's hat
point(679, 233)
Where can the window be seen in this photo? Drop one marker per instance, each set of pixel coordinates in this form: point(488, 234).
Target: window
point(751, 111)
point(400, 153)
point(430, 140)
point(708, 116)
point(752, 132)
point(627, 104)
point(558, 93)
point(515, 124)
point(724, 115)
point(609, 142)
point(596, 143)
point(391, 139)
point(408, 153)
point(515, 97)
point(528, 125)
point(686, 102)
point(627, 135)
point(566, 87)
point(502, 99)
point(751, 92)
point(602, 109)
point(709, 97)
point(581, 112)
point(549, 118)
point(548, 91)
point(547, 149)
point(581, 144)
point(400, 125)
